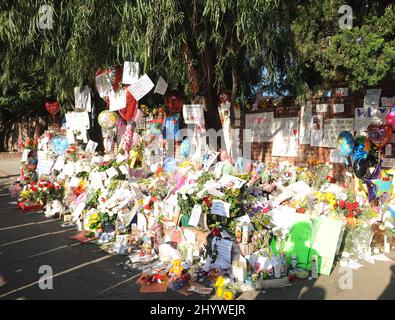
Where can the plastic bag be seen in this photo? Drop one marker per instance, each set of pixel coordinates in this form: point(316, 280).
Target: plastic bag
point(357, 242)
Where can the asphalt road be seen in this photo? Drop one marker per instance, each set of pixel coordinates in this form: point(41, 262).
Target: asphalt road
point(29, 241)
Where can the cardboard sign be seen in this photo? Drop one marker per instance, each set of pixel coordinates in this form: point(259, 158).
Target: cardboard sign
point(220, 208)
point(308, 238)
point(140, 88)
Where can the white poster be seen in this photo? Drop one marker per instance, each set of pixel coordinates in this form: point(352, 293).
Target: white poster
point(193, 113)
point(118, 100)
point(332, 129)
point(322, 108)
point(161, 86)
point(365, 116)
point(261, 126)
point(77, 120)
point(220, 208)
point(82, 97)
point(317, 130)
point(140, 88)
point(338, 108)
point(44, 167)
point(195, 215)
point(130, 73)
point(286, 136)
point(103, 85)
point(305, 125)
point(372, 98)
point(91, 146)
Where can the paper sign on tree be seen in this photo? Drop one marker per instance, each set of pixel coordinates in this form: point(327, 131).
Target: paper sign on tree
point(140, 88)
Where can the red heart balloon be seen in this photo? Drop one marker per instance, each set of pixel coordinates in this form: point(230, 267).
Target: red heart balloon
point(380, 134)
point(129, 111)
point(174, 101)
point(52, 107)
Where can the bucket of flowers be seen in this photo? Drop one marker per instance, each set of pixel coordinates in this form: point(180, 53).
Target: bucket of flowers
point(29, 199)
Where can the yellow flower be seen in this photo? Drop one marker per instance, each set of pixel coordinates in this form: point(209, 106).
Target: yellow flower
point(220, 292)
point(228, 295)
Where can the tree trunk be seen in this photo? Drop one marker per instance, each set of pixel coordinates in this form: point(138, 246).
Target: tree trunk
point(207, 74)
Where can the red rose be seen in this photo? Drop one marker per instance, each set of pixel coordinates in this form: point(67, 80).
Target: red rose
point(356, 205)
point(216, 232)
point(358, 211)
point(342, 204)
point(349, 206)
point(350, 215)
point(265, 210)
point(301, 210)
point(147, 207)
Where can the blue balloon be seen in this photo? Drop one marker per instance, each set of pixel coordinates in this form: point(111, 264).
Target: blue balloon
point(185, 148)
point(60, 145)
point(345, 144)
point(170, 165)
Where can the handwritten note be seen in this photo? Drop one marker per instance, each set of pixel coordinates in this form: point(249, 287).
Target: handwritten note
point(59, 164)
point(224, 248)
point(91, 146)
point(161, 86)
point(195, 215)
point(130, 73)
point(193, 113)
point(261, 125)
point(74, 182)
point(220, 208)
point(44, 167)
point(322, 108)
point(140, 88)
point(338, 108)
point(111, 172)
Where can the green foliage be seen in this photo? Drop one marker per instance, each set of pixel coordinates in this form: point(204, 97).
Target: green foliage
point(164, 36)
point(361, 56)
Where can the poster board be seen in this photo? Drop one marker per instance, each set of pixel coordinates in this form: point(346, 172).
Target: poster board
point(307, 238)
point(261, 126)
point(332, 129)
point(286, 136)
point(365, 116)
